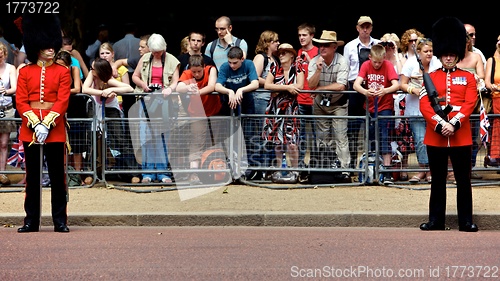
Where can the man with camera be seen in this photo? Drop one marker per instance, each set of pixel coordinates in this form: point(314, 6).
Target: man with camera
point(328, 72)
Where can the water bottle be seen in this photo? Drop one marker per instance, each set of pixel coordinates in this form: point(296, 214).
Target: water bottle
point(283, 165)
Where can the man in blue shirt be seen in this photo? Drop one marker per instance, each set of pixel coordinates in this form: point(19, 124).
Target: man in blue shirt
point(238, 79)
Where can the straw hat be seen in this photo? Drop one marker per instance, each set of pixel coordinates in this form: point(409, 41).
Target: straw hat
point(329, 37)
point(285, 47)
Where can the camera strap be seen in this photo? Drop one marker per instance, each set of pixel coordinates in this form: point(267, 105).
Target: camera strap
point(151, 67)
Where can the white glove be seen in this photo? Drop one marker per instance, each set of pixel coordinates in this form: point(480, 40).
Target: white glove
point(41, 133)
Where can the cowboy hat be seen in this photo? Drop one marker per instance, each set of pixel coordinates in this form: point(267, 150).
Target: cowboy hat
point(329, 37)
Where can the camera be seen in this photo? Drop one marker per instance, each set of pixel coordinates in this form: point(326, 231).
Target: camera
point(326, 100)
point(155, 87)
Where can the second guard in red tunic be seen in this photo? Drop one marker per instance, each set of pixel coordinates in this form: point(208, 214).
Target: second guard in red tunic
point(42, 97)
point(447, 111)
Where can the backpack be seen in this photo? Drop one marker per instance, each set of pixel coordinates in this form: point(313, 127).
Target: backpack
point(214, 43)
point(266, 60)
point(369, 161)
point(214, 159)
point(363, 54)
point(72, 178)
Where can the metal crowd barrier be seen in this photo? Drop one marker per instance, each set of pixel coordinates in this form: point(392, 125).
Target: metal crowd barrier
point(175, 136)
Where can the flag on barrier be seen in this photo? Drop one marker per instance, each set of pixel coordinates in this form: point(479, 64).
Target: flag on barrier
point(484, 124)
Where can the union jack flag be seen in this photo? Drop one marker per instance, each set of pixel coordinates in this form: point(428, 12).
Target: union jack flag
point(484, 124)
point(16, 156)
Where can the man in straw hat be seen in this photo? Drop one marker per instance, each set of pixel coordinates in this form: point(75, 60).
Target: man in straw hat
point(328, 72)
point(42, 97)
point(448, 133)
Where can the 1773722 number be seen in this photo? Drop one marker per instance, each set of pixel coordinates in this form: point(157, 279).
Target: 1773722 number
point(33, 7)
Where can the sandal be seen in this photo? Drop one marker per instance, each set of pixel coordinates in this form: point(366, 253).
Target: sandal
point(88, 180)
point(403, 176)
point(451, 177)
point(415, 179)
point(4, 180)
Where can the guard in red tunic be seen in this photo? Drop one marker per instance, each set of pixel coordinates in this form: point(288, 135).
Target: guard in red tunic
point(447, 110)
point(43, 91)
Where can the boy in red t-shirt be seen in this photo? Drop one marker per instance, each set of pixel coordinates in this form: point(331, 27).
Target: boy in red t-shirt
point(377, 79)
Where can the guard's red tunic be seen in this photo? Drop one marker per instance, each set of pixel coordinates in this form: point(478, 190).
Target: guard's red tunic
point(458, 89)
point(43, 84)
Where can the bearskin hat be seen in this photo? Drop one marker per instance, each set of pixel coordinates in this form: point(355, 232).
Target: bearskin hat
point(40, 31)
point(449, 36)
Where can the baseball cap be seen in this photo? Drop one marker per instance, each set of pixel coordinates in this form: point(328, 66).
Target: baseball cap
point(364, 19)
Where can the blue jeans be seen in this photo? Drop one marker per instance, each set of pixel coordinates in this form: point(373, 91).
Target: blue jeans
point(384, 125)
point(418, 128)
point(261, 154)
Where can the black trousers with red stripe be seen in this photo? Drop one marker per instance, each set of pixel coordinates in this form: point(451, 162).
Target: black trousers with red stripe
point(55, 154)
point(438, 164)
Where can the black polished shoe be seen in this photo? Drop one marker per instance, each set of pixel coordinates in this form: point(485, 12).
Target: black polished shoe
point(432, 226)
point(28, 228)
point(469, 227)
point(61, 228)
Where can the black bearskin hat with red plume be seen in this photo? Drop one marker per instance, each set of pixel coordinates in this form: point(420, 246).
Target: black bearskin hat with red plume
point(40, 31)
point(449, 37)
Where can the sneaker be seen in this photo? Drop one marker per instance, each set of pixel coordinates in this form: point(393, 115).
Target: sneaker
point(135, 180)
point(304, 177)
point(388, 179)
point(254, 175)
point(268, 175)
point(146, 180)
point(166, 180)
point(194, 179)
point(475, 176)
point(46, 181)
point(4, 180)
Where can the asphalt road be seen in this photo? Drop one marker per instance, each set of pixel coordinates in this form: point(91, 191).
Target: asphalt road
point(248, 253)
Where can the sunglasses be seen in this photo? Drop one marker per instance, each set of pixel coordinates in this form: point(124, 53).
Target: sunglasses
point(424, 40)
point(412, 40)
point(387, 44)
